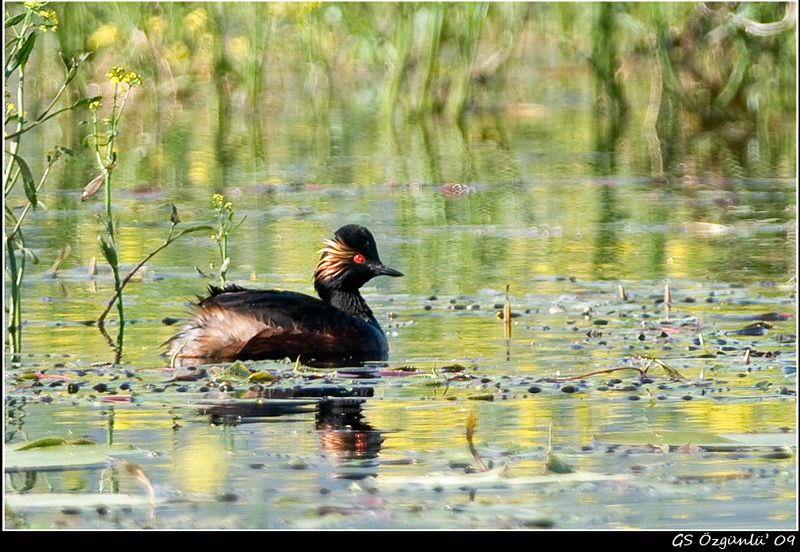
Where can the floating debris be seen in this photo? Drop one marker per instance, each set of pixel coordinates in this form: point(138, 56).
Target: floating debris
point(755, 329)
point(469, 425)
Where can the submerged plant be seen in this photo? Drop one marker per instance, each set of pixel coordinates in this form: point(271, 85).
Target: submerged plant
point(22, 30)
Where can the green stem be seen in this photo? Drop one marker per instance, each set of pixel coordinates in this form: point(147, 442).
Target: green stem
point(10, 184)
point(118, 295)
point(70, 75)
point(14, 326)
point(120, 306)
point(14, 148)
point(17, 271)
point(223, 252)
point(107, 197)
point(38, 122)
point(107, 166)
point(45, 114)
point(18, 41)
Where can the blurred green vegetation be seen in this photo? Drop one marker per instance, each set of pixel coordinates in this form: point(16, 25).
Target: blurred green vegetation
point(602, 141)
point(240, 88)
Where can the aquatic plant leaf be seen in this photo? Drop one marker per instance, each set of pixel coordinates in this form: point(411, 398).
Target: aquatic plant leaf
point(673, 374)
point(203, 228)
point(672, 438)
point(481, 397)
point(238, 224)
point(68, 63)
point(761, 439)
point(27, 180)
point(11, 21)
point(494, 478)
point(404, 371)
point(255, 408)
point(93, 187)
point(21, 56)
point(258, 377)
point(44, 442)
point(555, 464)
point(66, 457)
point(108, 249)
point(87, 501)
point(236, 370)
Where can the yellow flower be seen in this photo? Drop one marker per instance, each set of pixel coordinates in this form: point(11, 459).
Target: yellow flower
point(132, 78)
point(10, 108)
point(196, 20)
point(104, 36)
point(95, 105)
point(156, 25)
point(177, 53)
point(229, 206)
point(216, 200)
point(298, 12)
point(238, 46)
point(49, 16)
point(116, 74)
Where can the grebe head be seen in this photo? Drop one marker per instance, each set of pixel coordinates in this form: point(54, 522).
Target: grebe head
point(349, 260)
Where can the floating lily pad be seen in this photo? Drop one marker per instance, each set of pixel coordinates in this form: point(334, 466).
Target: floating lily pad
point(89, 501)
point(708, 441)
point(256, 408)
point(495, 478)
point(66, 457)
point(355, 373)
point(672, 438)
point(259, 377)
point(761, 439)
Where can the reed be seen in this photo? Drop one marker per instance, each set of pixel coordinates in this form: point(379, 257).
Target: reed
point(23, 29)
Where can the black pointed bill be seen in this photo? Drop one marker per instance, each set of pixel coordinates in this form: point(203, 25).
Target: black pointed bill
point(380, 269)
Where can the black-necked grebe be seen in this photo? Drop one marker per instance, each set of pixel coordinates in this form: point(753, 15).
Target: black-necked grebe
point(337, 329)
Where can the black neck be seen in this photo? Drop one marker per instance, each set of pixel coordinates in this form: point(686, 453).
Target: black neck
point(350, 302)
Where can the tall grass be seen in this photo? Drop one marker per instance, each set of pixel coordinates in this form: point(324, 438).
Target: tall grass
point(729, 67)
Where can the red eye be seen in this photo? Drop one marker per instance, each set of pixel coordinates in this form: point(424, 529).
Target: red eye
point(358, 259)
